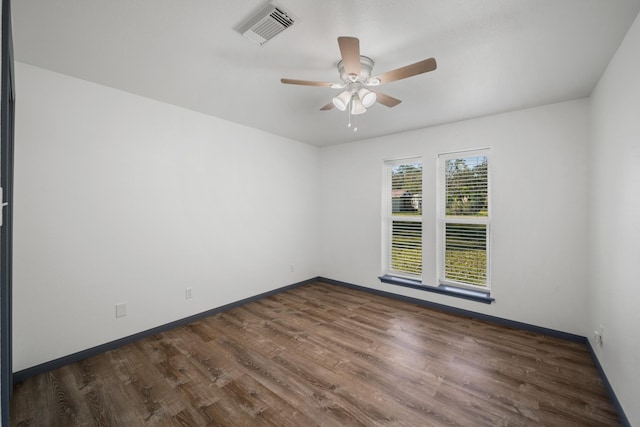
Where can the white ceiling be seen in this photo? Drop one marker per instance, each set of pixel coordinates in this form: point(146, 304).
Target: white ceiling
point(493, 56)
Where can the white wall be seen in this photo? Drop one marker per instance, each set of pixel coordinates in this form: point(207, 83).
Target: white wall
point(124, 199)
point(614, 222)
point(119, 198)
point(539, 202)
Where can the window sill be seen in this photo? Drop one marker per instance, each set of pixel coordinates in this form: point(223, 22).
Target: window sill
point(453, 291)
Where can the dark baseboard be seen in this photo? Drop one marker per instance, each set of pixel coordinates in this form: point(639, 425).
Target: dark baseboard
point(461, 312)
point(500, 321)
point(607, 386)
point(76, 357)
point(81, 355)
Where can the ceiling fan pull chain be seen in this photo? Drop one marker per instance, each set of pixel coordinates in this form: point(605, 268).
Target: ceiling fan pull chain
point(355, 77)
point(355, 126)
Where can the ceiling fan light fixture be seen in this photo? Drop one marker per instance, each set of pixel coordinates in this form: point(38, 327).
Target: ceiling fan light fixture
point(357, 107)
point(367, 97)
point(342, 101)
point(355, 78)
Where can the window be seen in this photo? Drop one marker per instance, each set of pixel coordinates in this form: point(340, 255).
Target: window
point(464, 219)
point(403, 218)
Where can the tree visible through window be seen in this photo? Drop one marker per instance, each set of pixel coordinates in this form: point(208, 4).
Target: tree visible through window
point(405, 218)
point(464, 219)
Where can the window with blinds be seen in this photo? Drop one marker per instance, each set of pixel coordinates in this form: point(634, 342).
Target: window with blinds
point(464, 220)
point(403, 218)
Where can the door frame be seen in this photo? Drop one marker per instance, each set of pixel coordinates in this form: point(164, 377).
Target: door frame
point(7, 113)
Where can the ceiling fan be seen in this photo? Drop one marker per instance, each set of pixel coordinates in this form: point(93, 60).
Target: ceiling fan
point(357, 81)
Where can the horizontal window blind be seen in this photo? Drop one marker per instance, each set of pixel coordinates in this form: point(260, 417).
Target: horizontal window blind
point(466, 253)
point(464, 219)
point(406, 247)
point(404, 216)
point(467, 186)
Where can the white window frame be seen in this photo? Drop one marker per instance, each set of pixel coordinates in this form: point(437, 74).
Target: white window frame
point(442, 220)
point(388, 218)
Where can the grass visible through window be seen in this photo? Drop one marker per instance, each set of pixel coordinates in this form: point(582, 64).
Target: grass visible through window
point(467, 266)
point(406, 247)
point(406, 219)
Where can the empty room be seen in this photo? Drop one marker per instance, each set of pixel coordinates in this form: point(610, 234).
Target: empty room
point(414, 213)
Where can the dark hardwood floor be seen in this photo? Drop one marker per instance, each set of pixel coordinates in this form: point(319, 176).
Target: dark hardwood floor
point(328, 356)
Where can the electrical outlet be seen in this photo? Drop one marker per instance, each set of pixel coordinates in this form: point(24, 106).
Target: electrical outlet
point(292, 268)
point(121, 309)
point(188, 293)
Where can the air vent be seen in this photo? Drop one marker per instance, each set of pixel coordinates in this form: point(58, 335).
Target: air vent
point(266, 23)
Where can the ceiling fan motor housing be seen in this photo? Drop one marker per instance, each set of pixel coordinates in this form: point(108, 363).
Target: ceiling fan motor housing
point(366, 64)
point(355, 79)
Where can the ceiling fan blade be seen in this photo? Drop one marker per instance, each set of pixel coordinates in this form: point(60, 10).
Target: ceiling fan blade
point(350, 52)
point(305, 83)
point(420, 67)
point(386, 100)
point(327, 107)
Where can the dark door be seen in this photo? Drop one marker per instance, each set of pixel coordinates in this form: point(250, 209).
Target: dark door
point(6, 226)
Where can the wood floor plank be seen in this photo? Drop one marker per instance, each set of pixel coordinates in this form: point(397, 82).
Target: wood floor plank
point(323, 355)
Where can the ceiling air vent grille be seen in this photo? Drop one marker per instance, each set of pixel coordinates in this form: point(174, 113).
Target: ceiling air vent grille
point(266, 23)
